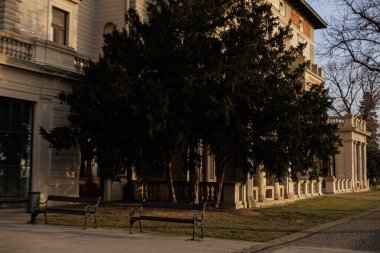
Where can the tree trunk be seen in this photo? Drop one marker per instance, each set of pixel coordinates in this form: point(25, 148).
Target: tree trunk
point(196, 184)
point(221, 161)
point(219, 187)
point(169, 177)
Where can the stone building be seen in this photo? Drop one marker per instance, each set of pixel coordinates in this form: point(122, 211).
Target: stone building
point(44, 46)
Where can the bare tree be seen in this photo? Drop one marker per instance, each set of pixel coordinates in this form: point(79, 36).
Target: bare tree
point(349, 84)
point(354, 32)
point(356, 90)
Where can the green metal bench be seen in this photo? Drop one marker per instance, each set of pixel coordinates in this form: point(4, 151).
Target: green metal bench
point(85, 206)
point(136, 214)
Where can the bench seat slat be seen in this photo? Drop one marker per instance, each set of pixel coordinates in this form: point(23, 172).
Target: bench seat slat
point(67, 211)
point(72, 199)
point(135, 214)
point(168, 219)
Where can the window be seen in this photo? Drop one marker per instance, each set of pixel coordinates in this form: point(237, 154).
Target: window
point(59, 26)
point(15, 147)
point(108, 28)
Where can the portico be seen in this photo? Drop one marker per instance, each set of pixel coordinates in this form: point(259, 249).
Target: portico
point(350, 167)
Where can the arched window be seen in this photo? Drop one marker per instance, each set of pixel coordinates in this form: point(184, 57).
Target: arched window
point(108, 28)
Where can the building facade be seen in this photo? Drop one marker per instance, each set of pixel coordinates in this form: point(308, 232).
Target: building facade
point(44, 47)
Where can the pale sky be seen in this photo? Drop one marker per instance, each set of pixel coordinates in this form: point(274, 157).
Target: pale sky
point(325, 9)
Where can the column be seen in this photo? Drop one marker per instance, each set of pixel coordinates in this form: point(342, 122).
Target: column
point(249, 185)
point(365, 165)
point(360, 169)
point(260, 181)
point(355, 177)
point(250, 197)
point(108, 190)
point(306, 187)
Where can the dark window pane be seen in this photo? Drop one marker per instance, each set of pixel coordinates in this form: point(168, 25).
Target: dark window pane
point(4, 114)
point(16, 116)
point(15, 147)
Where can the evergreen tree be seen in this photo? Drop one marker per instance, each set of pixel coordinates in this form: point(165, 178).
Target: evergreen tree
point(367, 111)
point(211, 71)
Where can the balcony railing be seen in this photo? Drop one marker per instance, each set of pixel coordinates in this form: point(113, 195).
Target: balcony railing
point(15, 48)
point(349, 121)
point(157, 190)
point(42, 53)
point(314, 68)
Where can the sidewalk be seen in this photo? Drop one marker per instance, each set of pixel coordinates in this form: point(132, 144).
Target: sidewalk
point(17, 236)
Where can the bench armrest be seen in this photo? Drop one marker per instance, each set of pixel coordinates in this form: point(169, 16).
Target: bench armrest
point(198, 214)
point(135, 212)
point(92, 208)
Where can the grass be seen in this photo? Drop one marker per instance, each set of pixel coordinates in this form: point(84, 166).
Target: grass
point(244, 224)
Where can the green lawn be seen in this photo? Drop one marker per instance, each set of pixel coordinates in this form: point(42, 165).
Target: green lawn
point(245, 224)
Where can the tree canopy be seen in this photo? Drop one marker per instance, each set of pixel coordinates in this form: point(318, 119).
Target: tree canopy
point(354, 33)
point(219, 71)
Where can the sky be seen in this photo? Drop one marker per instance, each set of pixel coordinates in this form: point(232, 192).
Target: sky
point(325, 9)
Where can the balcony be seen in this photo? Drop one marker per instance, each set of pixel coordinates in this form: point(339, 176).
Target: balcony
point(349, 122)
point(315, 69)
point(40, 54)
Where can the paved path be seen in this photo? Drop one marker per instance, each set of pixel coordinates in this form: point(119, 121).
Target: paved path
point(18, 237)
point(359, 233)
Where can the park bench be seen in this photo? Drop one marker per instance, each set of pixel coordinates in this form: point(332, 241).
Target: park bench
point(86, 206)
point(136, 214)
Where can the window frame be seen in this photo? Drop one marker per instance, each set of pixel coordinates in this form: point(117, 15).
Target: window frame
point(56, 30)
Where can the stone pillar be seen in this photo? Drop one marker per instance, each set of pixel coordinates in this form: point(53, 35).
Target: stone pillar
point(355, 165)
point(108, 190)
point(312, 188)
point(319, 186)
point(277, 194)
point(260, 181)
point(249, 186)
point(233, 195)
point(330, 184)
point(299, 187)
point(366, 185)
point(360, 163)
point(289, 193)
point(306, 187)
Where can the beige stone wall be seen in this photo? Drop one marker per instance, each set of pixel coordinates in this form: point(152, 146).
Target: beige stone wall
point(52, 174)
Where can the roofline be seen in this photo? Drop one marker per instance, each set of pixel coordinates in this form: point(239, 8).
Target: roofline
point(311, 14)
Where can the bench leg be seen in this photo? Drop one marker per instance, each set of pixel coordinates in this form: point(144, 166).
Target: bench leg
point(131, 222)
point(194, 230)
point(95, 222)
point(85, 222)
point(202, 230)
point(45, 214)
point(140, 226)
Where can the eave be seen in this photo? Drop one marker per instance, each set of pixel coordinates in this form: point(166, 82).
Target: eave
point(309, 13)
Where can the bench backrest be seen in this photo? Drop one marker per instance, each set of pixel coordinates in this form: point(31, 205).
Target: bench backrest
point(162, 204)
point(90, 200)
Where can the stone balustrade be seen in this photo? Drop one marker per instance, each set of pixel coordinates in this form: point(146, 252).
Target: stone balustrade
point(349, 121)
point(15, 48)
point(158, 190)
point(315, 69)
point(80, 64)
point(43, 53)
point(338, 185)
